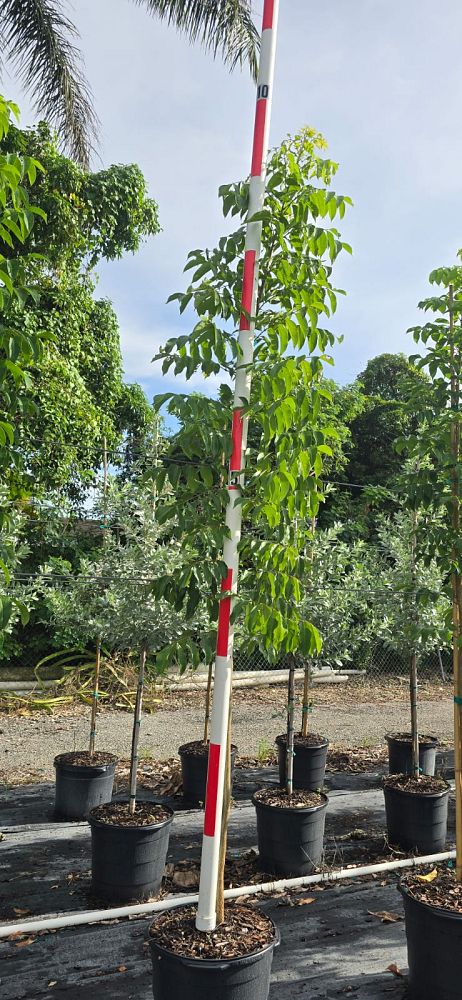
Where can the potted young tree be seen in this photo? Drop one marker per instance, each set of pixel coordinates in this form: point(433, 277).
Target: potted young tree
point(78, 611)
point(194, 755)
point(433, 900)
point(130, 838)
point(429, 610)
point(416, 803)
point(290, 819)
point(284, 459)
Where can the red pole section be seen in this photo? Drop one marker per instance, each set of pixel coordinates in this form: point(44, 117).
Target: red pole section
point(206, 912)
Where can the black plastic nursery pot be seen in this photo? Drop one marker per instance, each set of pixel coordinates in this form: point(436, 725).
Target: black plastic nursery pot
point(175, 977)
point(79, 788)
point(309, 763)
point(194, 762)
point(434, 947)
point(128, 862)
point(290, 840)
point(400, 754)
point(417, 821)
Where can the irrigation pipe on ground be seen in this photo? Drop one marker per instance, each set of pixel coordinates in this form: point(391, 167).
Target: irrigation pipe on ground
point(56, 921)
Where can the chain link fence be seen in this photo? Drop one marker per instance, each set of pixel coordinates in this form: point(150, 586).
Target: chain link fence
point(380, 663)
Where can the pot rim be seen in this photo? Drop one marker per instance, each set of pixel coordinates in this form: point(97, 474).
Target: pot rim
point(417, 795)
point(148, 827)
point(216, 963)
point(59, 762)
point(292, 809)
point(424, 741)
point(315, 746)
point(439, 911)
point(183, 750)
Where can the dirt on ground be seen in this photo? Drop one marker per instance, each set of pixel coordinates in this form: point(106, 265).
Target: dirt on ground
point(349, 715)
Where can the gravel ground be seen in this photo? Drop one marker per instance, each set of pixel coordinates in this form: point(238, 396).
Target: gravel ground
point(32, 742)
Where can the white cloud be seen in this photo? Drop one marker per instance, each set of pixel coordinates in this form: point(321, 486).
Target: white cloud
point(380, 78)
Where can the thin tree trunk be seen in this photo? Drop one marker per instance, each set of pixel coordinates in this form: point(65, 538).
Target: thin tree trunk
point(207, 702)
point(220, 905)
point(136, 733)
point(95, 696)
point(290, 727)
point(442, 671)
point(414, 725)
point(306, 697)
point(456, 588)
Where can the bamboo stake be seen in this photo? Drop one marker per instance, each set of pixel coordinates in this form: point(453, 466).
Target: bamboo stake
point(105, 475)
point(207, 702)
point(307, 677)
point(136, 733)
point(224, 828)
point(306, 695)
point(414, 726)
point(290, 727)
point(456, 587)
point(94, 698)
point(413, 670)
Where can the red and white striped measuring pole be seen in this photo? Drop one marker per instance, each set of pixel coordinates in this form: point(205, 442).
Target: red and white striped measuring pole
point(206, 911)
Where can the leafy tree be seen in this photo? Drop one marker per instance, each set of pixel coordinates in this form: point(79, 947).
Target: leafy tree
point(283, 488)
point(18, 594)
point(387, 382)
point(18, 274)
point(75, 395)
point(435, 450)
point(343, 596)
point(414, 602)
point(414, 606)
point(130, 562)
point(40, 40)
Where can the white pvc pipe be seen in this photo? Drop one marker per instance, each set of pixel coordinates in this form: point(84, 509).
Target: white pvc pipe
point(56, 922)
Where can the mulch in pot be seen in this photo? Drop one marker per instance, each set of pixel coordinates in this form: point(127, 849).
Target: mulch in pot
point(407, 738)
point(197, 748)
point(425, 784)
point(83, 758)
point(310, 740)
point(279, 798)
point(243, 932)
point(117, 814)
point(442, 891)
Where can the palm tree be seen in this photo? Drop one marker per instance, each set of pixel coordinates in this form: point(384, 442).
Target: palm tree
point(40, 40)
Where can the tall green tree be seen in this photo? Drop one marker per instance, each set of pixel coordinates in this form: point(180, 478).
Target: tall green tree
point(387, 383)
point(292, 345)
point(435, 448)
point(41, 42)
point(75, 397)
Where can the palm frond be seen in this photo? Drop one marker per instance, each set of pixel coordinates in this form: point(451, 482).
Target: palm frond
point(223, 26)
point(39, 39)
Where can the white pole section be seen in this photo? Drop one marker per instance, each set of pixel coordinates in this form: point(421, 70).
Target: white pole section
point(206, 912)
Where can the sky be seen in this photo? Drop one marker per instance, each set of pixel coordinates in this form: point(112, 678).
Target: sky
point(381, 79)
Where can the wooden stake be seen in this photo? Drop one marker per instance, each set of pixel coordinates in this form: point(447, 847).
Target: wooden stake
point(306, 695)
point(307, 677)
point(414, 725)
point(136, 733)
point(207, 702)
point(456, 585)
point(413, 665)
point(224, 829)
point(95, 695)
